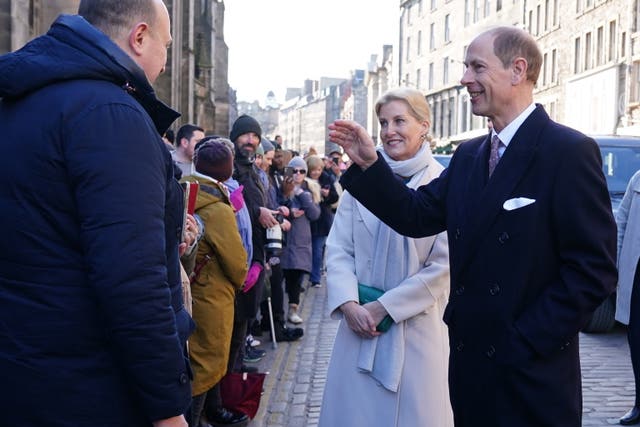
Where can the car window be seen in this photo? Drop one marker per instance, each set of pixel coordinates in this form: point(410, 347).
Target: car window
point(619, 164)
point(443, 159)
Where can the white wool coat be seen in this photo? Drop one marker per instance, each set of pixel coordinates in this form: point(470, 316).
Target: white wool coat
point(353, 397)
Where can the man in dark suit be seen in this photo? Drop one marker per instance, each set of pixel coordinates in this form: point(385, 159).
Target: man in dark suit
point(531, 234)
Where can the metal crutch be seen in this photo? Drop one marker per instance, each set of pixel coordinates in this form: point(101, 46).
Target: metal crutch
point(274, 343)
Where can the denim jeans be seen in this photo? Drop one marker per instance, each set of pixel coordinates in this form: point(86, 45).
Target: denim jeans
point(317, 258)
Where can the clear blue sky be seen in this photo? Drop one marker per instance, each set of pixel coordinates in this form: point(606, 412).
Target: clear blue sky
point(275, 44)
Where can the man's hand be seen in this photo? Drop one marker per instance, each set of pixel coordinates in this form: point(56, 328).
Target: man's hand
point(286, 225)
point(266, 219)
point(355, 140)
point(178, 421)
point(359, 319)
point(283, 210)
point(190, 235)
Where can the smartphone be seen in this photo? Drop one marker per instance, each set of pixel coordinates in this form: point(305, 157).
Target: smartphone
point(288, 171)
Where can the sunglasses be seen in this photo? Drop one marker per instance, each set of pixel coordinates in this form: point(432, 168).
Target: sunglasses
point(301, 171)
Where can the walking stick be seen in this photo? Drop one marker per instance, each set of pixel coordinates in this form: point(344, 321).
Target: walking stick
point(273, 328)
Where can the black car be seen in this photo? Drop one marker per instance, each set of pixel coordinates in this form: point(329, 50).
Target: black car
point(620, 160)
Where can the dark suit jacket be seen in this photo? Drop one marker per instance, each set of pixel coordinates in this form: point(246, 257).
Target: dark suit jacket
point(523, 281)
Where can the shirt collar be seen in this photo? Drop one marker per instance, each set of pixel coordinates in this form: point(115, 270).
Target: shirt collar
point(506, 135)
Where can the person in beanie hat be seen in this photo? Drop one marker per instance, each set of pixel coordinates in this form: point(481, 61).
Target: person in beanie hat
point(267, 145)
point(245, 124)
point(303, 203)
point(214, 159)
point(220, 274)
point(276, 278)
point(245, 135)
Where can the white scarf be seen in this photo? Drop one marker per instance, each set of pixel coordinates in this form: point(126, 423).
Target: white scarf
point(383, 357)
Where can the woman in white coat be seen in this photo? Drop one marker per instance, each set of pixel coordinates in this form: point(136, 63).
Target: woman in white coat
point(628, 296)
point(397, 377)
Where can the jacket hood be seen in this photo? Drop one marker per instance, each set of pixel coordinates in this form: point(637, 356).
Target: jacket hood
point(73, 49)
point(210, 191)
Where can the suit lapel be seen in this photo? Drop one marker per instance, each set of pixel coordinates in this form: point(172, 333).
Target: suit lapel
point(486, 203)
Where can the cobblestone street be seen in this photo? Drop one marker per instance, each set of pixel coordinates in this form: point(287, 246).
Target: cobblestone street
point(297, 372)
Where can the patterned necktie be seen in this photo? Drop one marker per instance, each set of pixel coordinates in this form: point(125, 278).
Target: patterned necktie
point(494, 155)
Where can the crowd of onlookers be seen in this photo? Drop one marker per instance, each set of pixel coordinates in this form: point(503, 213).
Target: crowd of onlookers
point(262, 215)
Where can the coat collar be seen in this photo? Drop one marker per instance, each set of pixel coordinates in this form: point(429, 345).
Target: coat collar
point(485, 196)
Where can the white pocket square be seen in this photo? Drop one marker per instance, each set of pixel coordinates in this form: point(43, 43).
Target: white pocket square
point(517, 203)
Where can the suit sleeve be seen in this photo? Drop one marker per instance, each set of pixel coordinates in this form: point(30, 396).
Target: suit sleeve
point(585, 238)
point(116, 168)
point(413, 213)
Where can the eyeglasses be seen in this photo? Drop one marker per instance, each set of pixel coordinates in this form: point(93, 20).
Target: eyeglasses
point(301, 171)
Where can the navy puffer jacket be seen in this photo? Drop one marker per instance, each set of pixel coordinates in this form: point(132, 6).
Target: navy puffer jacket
point(92, 326)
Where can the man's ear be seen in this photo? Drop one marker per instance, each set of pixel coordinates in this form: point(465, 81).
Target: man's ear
point(137, 37)
point(519, 70)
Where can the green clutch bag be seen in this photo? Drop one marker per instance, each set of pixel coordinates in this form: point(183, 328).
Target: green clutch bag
point(368, 294)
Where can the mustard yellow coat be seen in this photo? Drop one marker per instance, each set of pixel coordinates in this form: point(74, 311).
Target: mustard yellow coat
point(213, 291)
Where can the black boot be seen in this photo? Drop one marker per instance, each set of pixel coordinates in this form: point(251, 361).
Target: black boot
point(287, 334)
point(224, 417)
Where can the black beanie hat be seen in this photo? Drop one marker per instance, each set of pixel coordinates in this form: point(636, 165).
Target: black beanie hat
point(244, 124)
point(213, 158)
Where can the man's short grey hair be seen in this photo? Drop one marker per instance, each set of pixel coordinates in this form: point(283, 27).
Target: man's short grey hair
point(116, 17)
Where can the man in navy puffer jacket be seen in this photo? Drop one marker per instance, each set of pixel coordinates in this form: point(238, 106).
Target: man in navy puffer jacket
point(92, 326)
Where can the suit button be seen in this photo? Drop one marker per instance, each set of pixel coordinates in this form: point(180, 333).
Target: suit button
point(567, 344)
point(503, 237)
point(183, 378)
point(459, 290)
point(460, 346)
point(494, 289)
point(491, 351)
point(457, 234)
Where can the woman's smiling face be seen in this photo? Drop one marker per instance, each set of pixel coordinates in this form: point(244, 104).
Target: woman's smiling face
point(401, 133)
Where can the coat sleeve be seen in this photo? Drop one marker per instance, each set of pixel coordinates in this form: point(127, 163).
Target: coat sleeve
point(224, 238)
point(413, 213)
point(420, 292)
point(342, 283)
point(311, 209)
point(116, 167)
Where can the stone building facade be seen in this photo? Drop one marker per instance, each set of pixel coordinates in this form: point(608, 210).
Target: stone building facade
point(590, 73)
point(304, 119)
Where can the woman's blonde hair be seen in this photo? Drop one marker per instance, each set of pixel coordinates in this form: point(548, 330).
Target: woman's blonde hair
point(417, 102)
point(314, 162)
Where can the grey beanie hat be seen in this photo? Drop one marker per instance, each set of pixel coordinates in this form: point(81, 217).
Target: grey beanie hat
point(266, 145)
point(298, 163)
